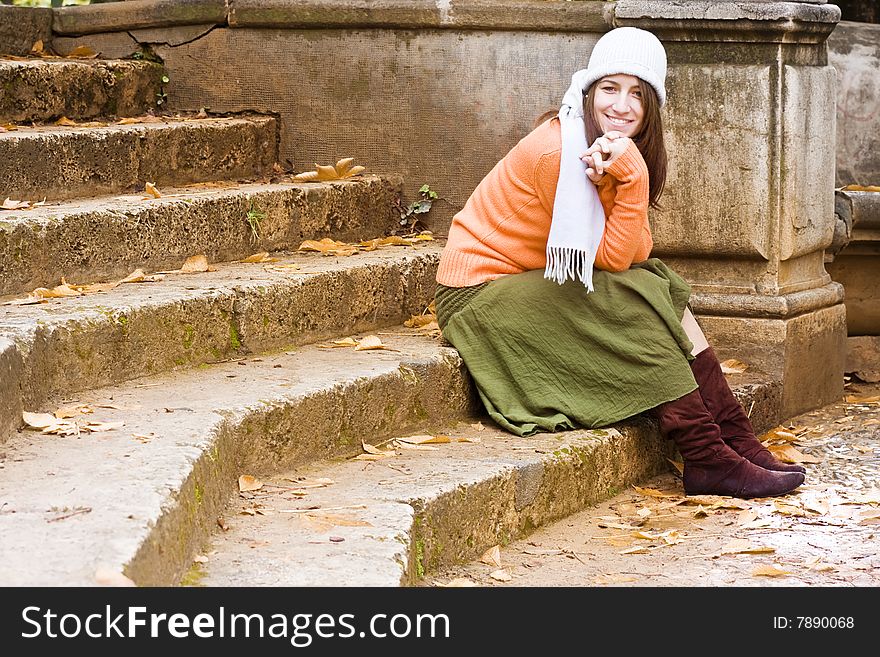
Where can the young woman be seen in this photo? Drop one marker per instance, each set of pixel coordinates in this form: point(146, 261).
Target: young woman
point(547, 290)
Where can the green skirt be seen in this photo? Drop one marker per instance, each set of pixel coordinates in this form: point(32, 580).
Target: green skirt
point(549, 357)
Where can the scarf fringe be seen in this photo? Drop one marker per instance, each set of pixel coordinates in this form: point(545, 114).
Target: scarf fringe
point(565, 263)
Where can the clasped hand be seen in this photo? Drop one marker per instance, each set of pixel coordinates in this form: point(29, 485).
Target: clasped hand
point(604, 151)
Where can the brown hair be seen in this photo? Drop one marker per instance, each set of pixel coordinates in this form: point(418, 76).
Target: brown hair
point(649, 138)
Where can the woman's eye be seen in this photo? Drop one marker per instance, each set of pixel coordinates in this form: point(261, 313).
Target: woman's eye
point(637, 94)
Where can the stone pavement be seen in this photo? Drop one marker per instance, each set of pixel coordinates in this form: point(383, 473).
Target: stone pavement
point(824, 534)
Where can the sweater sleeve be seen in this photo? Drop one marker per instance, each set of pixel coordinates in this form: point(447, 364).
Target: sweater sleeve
point(627, 237)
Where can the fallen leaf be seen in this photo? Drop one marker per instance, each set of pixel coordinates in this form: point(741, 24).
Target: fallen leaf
point(136, 276)
point(460, 582)
point(861, 188)
point(700, 512)
point(635, 550)
point(492, 556)
point(65, 121)
point(871, 497)
point(425, 440)
point(72, 411)
point(788, 509)
point(678, 465)
point(733, 366)
point(653, 492)
point(342, 169)
point(769, 571)
point(500, 575)
point(249, 483)
point(816, 564)
point(103, 426)
point(108, 577)
point(716, 502)
point(195, 264)
point(262, 256)
point(370, 342)
point(855, 399)
point(9, 204)
point(150, 189)
point(779, 434)
point(423, 448)
point(744, 546)
point(82, 52)
point(221, 523)
point(478, 426)
point(327, 247)
point(39, 420)
point(466, 439)
point(57, 292)
point(37, 48)
point(129, 120)
point(789, 454)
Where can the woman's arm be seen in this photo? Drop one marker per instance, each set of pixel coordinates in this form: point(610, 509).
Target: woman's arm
point(627, 237)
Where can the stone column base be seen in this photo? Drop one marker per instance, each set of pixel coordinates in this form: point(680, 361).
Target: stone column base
point(806, 352)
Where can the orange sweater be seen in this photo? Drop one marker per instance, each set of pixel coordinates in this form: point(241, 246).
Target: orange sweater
point(504, 225)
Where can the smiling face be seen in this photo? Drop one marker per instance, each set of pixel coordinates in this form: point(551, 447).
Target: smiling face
point(618, 104)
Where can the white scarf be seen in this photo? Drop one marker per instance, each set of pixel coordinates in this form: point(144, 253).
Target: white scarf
point(578, 217)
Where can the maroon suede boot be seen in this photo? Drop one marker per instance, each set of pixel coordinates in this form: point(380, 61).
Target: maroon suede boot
point(736, 429)
point(710, 466)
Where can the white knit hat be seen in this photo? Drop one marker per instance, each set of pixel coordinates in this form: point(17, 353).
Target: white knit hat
point(632, 51)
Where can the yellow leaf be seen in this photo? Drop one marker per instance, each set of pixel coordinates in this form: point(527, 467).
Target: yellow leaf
point(460, 582)
point(769, 571)
point(855, 399)
point(65, 121)
point(326, 172)
point(103, 426)
point(861, 188)
point(492, 556)
point(394, 240)
point(129, 120)
point(39, 420)
point(779, 434)
point(136, 276)
point(344, 165)
point(700, 512)
point(371, 449)
point(653, 492)
point(9, 204)
point(744, 546)
point(370, 342)
point(249, 483)
point(425, 440)
point(195, 264)
point(37, 48)
point(422, 448)
point(71, 411)
point(82, 52)
point(501, 576)
point(416, 321)
point(262, 256)
point(733, 366)
point(327, 246)
point(346, 342)
point(424, 236)
point(151, 189)
point(57, 292)
point(788, 454)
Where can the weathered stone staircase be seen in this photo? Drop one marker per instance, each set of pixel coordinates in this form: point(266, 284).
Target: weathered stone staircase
point(224, 373)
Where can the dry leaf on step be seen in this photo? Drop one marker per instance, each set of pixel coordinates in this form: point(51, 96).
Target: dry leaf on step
point(500, 575)
point(425, 440)
point(788, 454)
point(370, 342)
point(151, 191)
point(82, 52)
point(328, 247)
point(9, 204)
point(855, 399)
point(861, 188)
point(39, 420)
point(492, 556)
point(769, 571)
point(65, 121)
point(262, 256)
point(778, 435)
point(248, 483)
point(195, 264)
point(460, 582)
point(342, 169)
point(371, 449)
point(103, 426)
point(37, 48)
point(733, 366)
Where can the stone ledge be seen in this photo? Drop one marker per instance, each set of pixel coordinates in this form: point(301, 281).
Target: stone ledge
point(134, 14)
point(767, 307)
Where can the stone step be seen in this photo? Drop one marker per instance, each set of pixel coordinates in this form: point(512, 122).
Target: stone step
point(186, 320)
point(21, 27)
point(392, 522)
point(142, 499)
point(51, 88)
point(64, 162)
point(107, 237)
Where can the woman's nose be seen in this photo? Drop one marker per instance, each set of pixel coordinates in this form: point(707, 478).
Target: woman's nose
point(621, 103)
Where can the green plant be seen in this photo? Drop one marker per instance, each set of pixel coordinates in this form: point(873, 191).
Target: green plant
point(408, 217)
point(161, 96)
point(255, 217)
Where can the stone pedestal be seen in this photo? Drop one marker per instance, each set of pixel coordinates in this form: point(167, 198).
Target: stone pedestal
point(749, 207)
